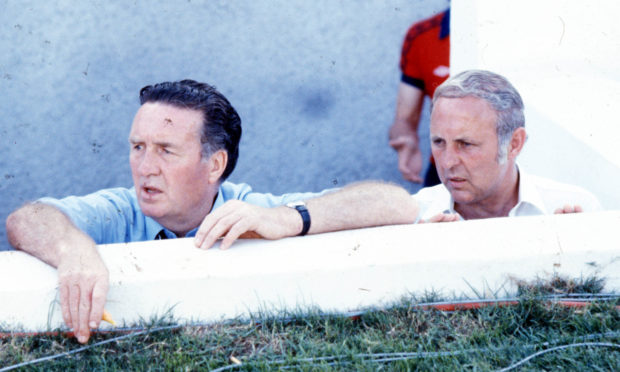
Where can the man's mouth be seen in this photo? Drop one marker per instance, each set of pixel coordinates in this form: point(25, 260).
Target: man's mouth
point(149, 190)
point(456, 180)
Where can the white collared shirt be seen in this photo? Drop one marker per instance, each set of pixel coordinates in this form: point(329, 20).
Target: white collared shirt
point(537, 196)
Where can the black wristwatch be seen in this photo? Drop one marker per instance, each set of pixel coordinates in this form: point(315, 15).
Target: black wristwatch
point(305, 216)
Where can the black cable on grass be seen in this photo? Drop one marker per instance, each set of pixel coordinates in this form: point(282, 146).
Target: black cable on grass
point(83, 348)
point(525, 360)
point(378, 357)
point(393, 357)
point(398, 356)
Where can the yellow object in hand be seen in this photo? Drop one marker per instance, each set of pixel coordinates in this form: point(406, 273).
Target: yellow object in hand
point(107, 317)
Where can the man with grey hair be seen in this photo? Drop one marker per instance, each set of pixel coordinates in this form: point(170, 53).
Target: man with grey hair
point(477, 131)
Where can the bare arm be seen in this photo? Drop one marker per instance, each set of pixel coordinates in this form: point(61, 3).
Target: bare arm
point(359, 205)
point(363, 204)
point(46, 233)
point(404, 131)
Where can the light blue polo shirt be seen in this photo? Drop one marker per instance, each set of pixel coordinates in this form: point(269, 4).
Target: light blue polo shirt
point(114, 215)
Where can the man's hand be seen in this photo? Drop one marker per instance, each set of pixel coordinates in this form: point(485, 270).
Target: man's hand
point(47, 234)
point(443, 217)
point(567, 208)
point(404, 131)
point(237, 219)
point(83, 281)
point(409, 158)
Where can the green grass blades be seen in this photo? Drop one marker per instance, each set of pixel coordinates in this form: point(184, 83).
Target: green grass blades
point(402, 337)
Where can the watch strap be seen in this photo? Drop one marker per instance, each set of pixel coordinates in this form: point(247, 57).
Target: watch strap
point(305, 216)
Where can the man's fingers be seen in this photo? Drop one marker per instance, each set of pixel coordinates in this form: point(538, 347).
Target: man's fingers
point(396, 142)
point(412, 177)
point(83, 331)
point(444, 217)
point(64, 305)
point(436, 218)
point(401, 141)
point(74, 303)
point(234, 233)
point(77, 308)
point(203, 230)
point(405, 169)
point(204, 236)
point(82, 278)
point(211, 220)
point(440, 218)
point(100, 291)
point(220, 229)
point(410, 162)
point(567, 208)
point(233, 220)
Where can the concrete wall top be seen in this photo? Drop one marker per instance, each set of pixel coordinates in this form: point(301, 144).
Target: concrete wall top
point(342, 271)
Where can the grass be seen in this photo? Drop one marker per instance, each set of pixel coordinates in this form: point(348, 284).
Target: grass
point(490, 338)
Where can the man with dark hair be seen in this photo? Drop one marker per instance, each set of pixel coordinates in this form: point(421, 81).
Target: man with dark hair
point(183, 144)
point(477, 131)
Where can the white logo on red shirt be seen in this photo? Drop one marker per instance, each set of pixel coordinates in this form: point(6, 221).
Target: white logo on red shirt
point(441, 71)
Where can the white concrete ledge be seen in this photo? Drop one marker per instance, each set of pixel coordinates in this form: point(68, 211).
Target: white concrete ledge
point(335, 272)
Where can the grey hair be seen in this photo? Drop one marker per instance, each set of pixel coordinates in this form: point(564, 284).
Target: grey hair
point(497, 91)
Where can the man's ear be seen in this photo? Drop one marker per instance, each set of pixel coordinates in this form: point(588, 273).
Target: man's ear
point(516, 142)
point(217, 165)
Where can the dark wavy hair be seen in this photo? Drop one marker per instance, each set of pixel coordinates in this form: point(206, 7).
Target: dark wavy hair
point(221, 128)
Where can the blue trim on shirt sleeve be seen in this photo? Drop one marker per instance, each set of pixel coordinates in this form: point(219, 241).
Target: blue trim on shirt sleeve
point(444, 31)
point(414, 82)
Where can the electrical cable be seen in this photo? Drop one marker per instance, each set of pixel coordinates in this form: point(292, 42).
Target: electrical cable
point(525, 360)
point(443, 305)
point(583, 299)
point(83, 348)
point(391, 357)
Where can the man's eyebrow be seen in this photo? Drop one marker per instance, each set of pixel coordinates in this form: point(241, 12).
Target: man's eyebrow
point(466, 139)
point(157, 143)
point(164, 144)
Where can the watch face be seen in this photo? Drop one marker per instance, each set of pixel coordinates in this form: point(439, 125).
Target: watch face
point(295, 204)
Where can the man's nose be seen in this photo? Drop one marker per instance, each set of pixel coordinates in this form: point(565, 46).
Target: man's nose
point(450, 158)
point(148, 164)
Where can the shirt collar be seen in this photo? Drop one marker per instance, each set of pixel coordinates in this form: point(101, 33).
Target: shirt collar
point(153, 227)
point(219, 199)
point(450, 207)
point(528, 195)
point(442, 201)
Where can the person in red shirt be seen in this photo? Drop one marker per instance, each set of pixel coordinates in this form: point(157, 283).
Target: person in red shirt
point(425, 65)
